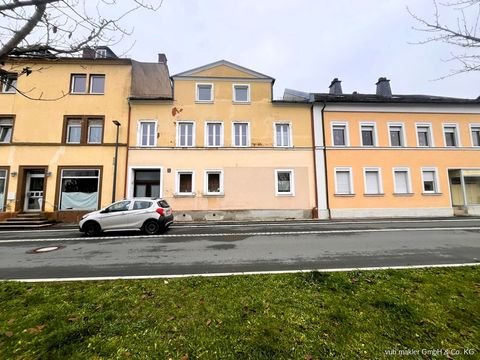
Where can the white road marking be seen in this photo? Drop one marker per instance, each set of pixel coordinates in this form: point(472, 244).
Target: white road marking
point(140, 277)
point(308, 232)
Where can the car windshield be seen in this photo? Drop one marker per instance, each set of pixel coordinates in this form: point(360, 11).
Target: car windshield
point(120, 206)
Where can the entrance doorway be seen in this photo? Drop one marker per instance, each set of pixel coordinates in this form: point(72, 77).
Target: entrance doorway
point(146, 183)
point(34, 190)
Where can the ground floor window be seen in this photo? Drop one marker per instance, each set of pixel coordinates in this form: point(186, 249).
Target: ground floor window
point(430, 183)
point(185, 182)
point(79, 189)
point(284, 182)
point(3, 184)
point(214, 182)
point(146, 183)
point(343, 181)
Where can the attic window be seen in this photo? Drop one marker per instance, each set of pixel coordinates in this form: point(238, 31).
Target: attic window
point(100, 53)
point(9, 83)
point(241, 93)
point(205, 92)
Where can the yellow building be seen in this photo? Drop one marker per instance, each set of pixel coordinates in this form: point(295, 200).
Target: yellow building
point(398, 155)
point(221, 148)
point(57, 136)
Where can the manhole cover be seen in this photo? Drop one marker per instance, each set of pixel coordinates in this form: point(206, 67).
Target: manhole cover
point(45, 249)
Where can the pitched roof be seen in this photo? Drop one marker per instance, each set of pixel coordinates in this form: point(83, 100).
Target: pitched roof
point(373, 98)
point(193, 72)
point(150, 81)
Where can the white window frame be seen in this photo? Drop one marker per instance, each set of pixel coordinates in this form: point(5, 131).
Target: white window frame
point(430, 134)
point(292, 182)
point(139, 132)
point(409, 180)
point(212, 92)
point(403, 139)
point(347, 137)
point(92, 76)
point(13, 84)
point(7, 119)
point(67, 140)
point(94, 126)
point(221, 133)
point(374, 137)
point(234, 94)
point(100, 53)
point(379, 177)
point(205, 182)
point(471, 127)
point(435, 176)
point(290, 138)
point(177, 182)
point(72, 80)
point(350, 175)
point(179, 123)
point(457, 134)
point(248, 133)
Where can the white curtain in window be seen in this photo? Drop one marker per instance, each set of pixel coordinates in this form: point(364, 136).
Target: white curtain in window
point(79, 200)
point(343, 182)
point(401, 182)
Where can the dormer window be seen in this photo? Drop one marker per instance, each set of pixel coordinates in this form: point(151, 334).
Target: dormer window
point(204, 92)
point(241, 93)
point(100, 53)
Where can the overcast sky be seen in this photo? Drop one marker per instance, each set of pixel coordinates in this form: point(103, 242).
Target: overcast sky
point(303, 44)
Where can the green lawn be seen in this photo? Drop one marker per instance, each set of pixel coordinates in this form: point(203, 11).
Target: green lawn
point(354, 315)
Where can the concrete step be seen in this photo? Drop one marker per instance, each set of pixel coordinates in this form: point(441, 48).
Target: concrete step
point(25, 222)
point(14, 219)
point(15, 226)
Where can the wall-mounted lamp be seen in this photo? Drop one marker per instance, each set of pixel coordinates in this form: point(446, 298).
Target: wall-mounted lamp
point(48, 174)
point(13, 173)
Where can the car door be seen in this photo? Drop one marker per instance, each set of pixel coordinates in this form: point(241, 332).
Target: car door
point(140, 211)
point(115, 216)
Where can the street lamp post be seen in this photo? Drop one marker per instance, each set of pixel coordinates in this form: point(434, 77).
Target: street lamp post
point(117, 124)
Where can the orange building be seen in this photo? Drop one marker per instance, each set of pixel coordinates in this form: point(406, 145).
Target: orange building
point(392, 155)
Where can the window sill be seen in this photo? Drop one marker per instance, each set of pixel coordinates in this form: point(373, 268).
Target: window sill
point(8, 92)
point(85, 93)
point(374, 195)
point(214, 194)
point(241, 102)
point(284, 194)
point(403, 194)
point(431, 194)
point(344, 195)
point(283, 147)
point(203, 102)
point(186, 195)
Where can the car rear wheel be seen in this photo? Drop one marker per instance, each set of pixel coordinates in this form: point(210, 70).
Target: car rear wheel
point(151, 227)
point(91, 228)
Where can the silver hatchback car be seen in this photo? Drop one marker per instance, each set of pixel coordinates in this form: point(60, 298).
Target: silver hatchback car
point(150, 215)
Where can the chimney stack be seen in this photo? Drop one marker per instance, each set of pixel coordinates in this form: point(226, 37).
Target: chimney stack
point(383, 87)
point(162, 58)
point(336, 87)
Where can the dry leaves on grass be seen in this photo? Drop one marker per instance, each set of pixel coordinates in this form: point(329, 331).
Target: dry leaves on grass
point(36, 330)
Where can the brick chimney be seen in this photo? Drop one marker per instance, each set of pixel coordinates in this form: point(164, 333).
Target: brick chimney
point(162, 58)
point(383, 87)
point(336, 87)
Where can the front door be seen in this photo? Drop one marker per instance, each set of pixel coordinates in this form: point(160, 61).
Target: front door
point(34, 185)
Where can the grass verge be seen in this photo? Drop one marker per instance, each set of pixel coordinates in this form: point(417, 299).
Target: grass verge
point(354, 315)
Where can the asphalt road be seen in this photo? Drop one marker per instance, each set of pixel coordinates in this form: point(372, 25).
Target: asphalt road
point(232, 248)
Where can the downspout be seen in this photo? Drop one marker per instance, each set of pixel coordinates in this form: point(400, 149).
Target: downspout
point(314, 158)
point(327, 193)
point(128, 147)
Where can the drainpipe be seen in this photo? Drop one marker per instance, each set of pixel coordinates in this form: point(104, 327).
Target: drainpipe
point(128, 148)
point(327, 193)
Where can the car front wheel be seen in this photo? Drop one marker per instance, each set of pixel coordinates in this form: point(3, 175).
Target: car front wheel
point(91, 228)
point(151, 227)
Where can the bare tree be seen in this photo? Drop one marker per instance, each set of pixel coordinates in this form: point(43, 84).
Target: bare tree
point(461, 31)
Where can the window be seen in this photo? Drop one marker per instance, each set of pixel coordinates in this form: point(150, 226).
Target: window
point(241, 93)
point(451, 135)
point(185, 181)
point(6, 129)
point(205, 92)
point(429, 177)
point(147, 133)
point(475, 129)
point(97, 84)
point(146, 182)
point(3, 185)
point(368, 134)
point(79, 189)
point(424, 135)
point(284, 182)
point(119, 206)
point(74, 131)
point(83, 130)
point(396, 135)
point(339, 134)
point(282, 135)
point(214, 182)
point(95, 131)
point(141, 205)
point(241, 134)
point(185, 134)
point(9, 83)
point(373, 183)
point(343, 181)
point(213, 134)
point(79, 85)
point(401, 178)
point(101, 53)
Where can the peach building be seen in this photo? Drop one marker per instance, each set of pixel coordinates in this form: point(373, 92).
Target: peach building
point(216, 146)
point(390, 155)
